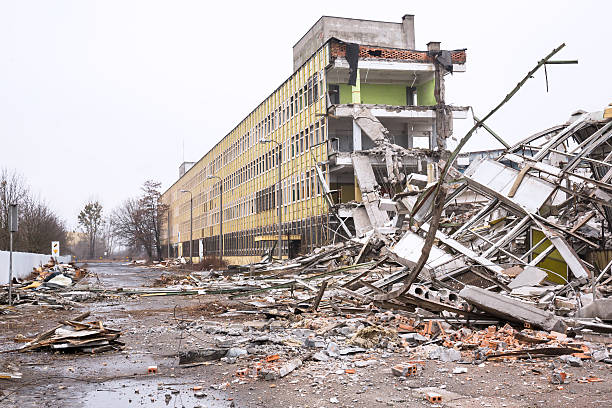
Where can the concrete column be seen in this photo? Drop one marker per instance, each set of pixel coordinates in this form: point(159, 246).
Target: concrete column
point(356, 90)
point(356, 137)
point(408, 28)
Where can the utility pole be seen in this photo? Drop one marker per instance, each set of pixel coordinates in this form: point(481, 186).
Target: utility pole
point(220, 215)
point(190, 225)
point(279, 198)
point(13, 221)
point(168, 210)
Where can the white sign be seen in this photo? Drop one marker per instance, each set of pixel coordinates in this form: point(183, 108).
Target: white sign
point(55, 248)
point(201, 248)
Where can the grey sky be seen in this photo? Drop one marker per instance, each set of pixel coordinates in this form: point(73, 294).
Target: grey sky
point(96, 97)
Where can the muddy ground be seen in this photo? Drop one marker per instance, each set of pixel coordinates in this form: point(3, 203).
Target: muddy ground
point(153, 336)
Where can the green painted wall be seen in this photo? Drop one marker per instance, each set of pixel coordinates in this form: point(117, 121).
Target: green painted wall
point(425, 93)
point(345, 94)
point(387, 94)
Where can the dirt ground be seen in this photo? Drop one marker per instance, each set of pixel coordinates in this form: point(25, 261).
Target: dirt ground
point(153, 329)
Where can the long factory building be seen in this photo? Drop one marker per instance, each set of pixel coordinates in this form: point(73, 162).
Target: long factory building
point(347, 73)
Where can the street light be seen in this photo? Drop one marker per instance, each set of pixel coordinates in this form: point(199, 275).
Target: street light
point(279, 196)
point(190, 224)
point(210, 177)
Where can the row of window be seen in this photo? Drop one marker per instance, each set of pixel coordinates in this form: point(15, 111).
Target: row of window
point(313, 233)
point(294, 189)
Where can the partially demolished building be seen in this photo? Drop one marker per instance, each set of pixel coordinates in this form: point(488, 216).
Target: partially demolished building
point(362, 115)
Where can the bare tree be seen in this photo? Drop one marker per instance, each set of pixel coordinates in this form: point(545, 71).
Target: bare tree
point(90, 219)
point(109, 236)
point(138, 220)
point(154, 212)
point(39, 225)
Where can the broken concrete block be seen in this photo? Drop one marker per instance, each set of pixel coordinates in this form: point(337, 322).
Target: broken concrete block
point(333, 349)
point(365, 363)
point(414, 338)
point(289, 367)
point(529, 277)
point(601, 308)
point(236, 352)
point(320, 356)
point(450, 354)
point(600, 355)
point(445, 354)
point(511, 309)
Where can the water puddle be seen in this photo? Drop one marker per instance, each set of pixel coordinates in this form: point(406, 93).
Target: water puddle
point(130, 393)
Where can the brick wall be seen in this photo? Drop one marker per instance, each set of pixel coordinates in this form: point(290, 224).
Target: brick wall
point(367, 52)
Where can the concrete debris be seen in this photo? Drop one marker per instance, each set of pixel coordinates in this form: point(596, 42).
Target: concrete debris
point(49, 285)
point(511, 309)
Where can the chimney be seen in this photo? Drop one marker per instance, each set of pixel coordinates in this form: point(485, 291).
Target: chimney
point(408, 28)
point(433, 46)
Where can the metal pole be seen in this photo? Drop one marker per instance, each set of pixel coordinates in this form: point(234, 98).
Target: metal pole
point(168, 232)
point(221, 220)
point(10, 302)
point(190, 228)
point(280, 196)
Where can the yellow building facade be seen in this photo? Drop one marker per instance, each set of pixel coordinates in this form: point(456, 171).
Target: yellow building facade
point(292, 116)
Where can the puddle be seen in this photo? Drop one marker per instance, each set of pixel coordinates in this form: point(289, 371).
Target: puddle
point(129, 393)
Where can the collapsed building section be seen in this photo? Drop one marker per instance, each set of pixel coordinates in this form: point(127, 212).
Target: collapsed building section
point(362, 116)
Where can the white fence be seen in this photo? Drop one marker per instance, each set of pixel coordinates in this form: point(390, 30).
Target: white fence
point(23, 262)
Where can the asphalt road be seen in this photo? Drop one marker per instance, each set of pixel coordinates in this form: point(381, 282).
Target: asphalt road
point(117, 275)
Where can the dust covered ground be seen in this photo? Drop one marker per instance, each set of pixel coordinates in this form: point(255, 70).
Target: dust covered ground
point(155, 328)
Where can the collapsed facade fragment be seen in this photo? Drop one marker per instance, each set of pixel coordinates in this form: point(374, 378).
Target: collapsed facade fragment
point(362, 115)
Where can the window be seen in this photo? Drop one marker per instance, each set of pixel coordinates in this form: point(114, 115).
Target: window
point(300, 100)
point(309, 90)
point(301, 147)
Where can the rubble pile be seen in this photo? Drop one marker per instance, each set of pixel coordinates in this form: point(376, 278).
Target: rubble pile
point(75, 336)
point(49, 285)
point(506, 260)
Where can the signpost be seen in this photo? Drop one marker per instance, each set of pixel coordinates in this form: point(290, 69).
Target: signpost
point(13, 221)
point(55, 248)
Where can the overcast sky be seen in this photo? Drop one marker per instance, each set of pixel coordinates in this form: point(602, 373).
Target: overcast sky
point(98, 96)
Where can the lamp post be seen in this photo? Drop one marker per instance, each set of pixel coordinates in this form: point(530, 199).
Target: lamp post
point(279, 196)
point(210, 177)
point(190, 224)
